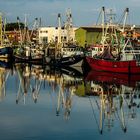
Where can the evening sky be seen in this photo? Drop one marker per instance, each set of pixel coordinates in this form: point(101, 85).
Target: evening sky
point(85, 12)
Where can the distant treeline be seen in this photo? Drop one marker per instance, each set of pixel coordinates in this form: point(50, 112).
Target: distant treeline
point(14, 26)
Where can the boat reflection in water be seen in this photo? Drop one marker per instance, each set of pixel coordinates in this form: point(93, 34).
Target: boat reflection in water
point(116, 96)
point(4, 73)
point(113, 100)
point(63, 82)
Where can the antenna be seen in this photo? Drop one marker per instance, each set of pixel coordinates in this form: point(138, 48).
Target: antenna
point(111, 16)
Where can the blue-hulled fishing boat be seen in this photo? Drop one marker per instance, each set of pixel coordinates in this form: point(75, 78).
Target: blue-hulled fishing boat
point(5, 49)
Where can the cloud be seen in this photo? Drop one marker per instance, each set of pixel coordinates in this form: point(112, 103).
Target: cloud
point(84, 11)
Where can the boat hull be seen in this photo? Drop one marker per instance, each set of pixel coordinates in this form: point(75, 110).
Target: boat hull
point(114, 66)
point(6, 64)
point(76, 60)
point(23, 59)
point(6, 52)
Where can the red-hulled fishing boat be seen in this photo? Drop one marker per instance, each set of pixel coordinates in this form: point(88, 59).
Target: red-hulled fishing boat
point(131, 66)
point(120, 53)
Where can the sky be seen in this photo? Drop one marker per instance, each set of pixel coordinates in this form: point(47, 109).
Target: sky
point(84, 12)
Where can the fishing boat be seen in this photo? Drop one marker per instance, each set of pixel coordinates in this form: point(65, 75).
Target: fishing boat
point(33, 58)
point(119, 54)
point(75, 60)
point(67, 52)
point(5, 49)
point(27, 51)
point(130, 66)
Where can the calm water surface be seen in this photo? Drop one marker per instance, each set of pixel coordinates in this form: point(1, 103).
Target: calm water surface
point(39, 104)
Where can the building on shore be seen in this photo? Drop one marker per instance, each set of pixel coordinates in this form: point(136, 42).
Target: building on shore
point(52, 34)
point(89, 35)
point(86, 36)
point(14, 37)
point(83, 36)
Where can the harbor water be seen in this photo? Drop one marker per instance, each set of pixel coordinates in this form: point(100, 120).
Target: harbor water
point(42, 103)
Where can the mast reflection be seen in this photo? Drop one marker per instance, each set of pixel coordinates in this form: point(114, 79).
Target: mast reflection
point(116, 96)
point(5, 69)
point(63, 82)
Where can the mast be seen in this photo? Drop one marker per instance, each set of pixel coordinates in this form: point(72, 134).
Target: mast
point(59, 28)
point(21, 37)
point(123, 20)
point(125, 17)
point(1, 32)
point(127, 39)
point(35, 30)
point(69, 26)
point(109, 36)
point(4, 27)
point(114, 38)
point(58, 41)
point(103, 22)
point(27, 39)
